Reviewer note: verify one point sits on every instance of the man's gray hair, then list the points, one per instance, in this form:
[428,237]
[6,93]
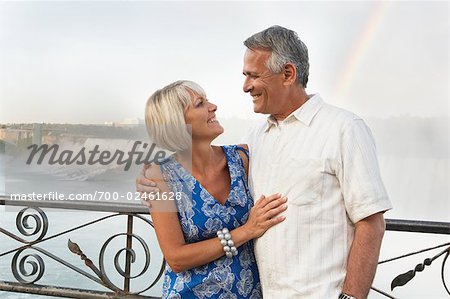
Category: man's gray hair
[286,47]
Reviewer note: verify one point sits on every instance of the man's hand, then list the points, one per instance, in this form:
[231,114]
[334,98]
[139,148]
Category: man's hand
[145,186]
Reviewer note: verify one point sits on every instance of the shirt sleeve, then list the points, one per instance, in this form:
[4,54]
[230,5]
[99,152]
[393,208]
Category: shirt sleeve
[362,188]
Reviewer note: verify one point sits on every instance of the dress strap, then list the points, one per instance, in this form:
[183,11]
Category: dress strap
[245,151]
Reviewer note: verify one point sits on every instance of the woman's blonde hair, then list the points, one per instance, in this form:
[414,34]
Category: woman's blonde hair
[164,115]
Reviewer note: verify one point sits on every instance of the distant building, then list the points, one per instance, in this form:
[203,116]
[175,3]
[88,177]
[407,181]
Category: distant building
[131,121]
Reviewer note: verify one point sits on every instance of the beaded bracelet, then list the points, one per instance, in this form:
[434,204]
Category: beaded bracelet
[228,244]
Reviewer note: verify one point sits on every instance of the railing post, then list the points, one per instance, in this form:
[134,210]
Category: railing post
[129,247]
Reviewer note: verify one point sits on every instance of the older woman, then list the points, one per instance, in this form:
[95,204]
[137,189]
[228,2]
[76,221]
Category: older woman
[206,233]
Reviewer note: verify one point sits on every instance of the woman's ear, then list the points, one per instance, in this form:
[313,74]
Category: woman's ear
[290,73]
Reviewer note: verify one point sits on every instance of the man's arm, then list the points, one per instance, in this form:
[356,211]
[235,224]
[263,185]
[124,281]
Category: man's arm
[365,200]
[363,257]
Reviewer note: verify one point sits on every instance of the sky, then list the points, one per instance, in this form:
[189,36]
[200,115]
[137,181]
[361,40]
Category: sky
[95,62]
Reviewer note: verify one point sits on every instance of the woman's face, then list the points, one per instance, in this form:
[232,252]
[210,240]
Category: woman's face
[202,118]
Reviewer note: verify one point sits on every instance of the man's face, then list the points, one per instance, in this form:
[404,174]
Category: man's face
[264,86]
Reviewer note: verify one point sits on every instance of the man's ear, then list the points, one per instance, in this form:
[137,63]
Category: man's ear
[290,74]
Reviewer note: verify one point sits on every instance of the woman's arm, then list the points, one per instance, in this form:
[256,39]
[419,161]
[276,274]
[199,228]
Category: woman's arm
[182,256]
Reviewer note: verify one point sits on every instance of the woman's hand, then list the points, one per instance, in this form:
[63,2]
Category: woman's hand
[264,214]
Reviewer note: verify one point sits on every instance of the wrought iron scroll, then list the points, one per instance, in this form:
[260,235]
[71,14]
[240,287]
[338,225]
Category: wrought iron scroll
[18,267]
[404,278]
[129,251]
[27,228]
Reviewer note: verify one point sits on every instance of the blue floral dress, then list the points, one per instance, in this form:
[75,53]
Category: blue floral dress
[201,216]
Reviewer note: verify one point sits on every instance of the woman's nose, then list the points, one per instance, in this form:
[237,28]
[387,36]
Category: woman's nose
[212,107]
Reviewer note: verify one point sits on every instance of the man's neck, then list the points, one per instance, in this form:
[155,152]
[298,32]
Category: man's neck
[294,100]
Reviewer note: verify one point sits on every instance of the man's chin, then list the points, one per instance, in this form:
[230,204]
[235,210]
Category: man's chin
[259,110]
[256,109]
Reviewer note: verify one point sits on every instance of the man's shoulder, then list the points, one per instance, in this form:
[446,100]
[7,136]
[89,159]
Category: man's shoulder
[337,115]
[340,112]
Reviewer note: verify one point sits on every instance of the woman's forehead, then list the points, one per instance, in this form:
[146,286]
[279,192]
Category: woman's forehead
[195,95]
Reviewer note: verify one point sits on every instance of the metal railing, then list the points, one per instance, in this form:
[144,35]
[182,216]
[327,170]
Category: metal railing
[427,227]
[27,280]
[32,222]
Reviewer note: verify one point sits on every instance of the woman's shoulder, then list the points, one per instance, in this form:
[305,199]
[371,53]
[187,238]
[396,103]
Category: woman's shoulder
[155,173]
[235,147]
[239,150]
[242,146]
[242,149]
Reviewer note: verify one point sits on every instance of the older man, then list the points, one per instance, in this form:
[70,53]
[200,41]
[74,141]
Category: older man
[323,159]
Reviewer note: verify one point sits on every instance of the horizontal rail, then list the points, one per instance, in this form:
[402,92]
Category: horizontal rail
[95,206]
[416,226]
[55,291]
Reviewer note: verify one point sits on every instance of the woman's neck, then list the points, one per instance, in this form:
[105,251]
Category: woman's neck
[202,155]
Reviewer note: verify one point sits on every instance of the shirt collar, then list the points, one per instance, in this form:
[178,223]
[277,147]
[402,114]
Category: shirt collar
[305,113]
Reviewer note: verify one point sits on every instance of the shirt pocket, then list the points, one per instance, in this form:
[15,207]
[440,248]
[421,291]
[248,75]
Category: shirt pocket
[303,180]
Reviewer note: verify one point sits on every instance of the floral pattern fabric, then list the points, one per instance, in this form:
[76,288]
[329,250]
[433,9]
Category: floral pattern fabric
[201,216]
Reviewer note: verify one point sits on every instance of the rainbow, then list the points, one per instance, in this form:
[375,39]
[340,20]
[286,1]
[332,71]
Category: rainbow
[360,47]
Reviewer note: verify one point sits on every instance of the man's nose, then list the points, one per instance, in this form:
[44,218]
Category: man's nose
[247,85]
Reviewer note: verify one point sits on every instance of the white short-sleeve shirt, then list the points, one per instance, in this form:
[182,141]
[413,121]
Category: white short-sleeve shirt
[323,159]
